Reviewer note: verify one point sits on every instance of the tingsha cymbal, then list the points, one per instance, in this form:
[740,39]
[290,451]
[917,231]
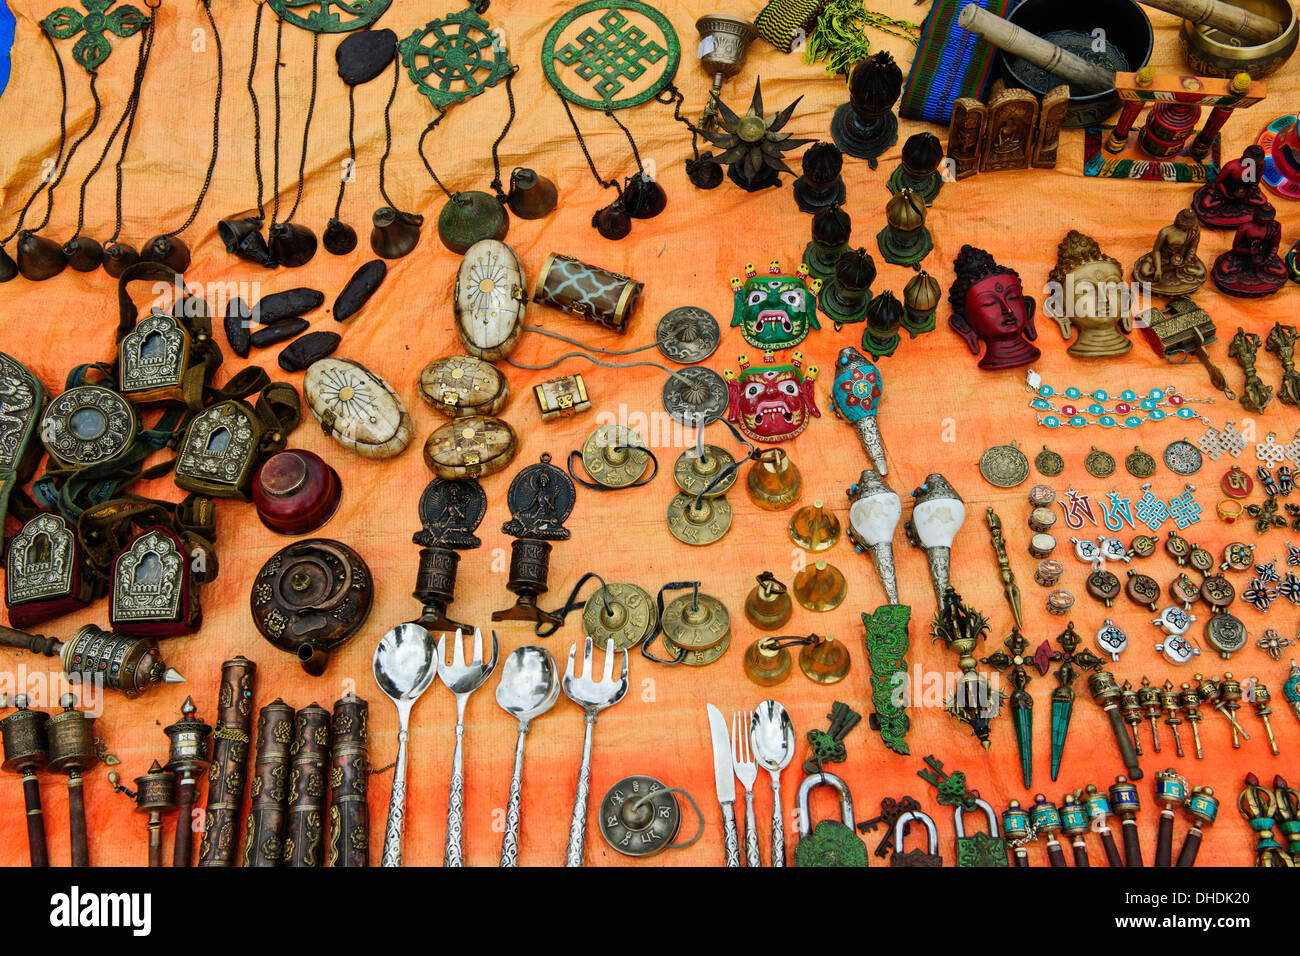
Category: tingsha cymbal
[618,612]
[695,472]
[687,335]
[615,456]
[695,396]
[699,525]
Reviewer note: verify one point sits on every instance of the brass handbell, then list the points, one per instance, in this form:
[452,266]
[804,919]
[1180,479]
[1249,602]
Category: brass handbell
[292,245]
[242,236]
[338,238]
[83,253]
[531,196]
[821,587]
[118,257]
[8,268]
[814,528]
[767,661]
[395,233]
[825,661]
[773,481]
[724,41]
[169,250]
[768,605]
[39,258]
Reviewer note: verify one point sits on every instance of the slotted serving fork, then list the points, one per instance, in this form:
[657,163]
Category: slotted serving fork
[462,680]
[742,761]
[592,696]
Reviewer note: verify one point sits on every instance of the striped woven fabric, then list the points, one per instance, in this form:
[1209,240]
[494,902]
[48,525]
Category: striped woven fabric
[783,22]
[950,62]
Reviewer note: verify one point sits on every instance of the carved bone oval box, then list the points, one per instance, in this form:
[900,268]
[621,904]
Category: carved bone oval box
[357,408]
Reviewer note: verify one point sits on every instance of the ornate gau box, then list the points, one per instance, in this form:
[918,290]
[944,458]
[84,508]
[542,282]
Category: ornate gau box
[589,292]
[154,591]
[357,408]
[219,453]
[489,302]
[562,397]
[152,360]
[88,425]
[21,399]
[471,392]
[43,572]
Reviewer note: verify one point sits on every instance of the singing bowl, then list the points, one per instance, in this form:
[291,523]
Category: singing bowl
[1126,27]
[1211,52]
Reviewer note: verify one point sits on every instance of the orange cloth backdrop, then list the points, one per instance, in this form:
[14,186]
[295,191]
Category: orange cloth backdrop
[938,414]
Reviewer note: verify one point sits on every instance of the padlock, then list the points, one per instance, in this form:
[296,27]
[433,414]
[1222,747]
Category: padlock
[832,842]
[916,857]
[979,849]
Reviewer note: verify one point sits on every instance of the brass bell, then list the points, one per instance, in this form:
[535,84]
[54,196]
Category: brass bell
[821,587]
[643,198]
[470,217]
[169,250]
[395,233]
[118,257]
[292,245]
[920,299]
[767,662]
[338,238]
[83,253]
[612,222]
[242,236]
[531,196]
[8,268]
[768,605]
[814,528]
[724,41]
[773,481]
[825,661]
[39,258]
[705,172]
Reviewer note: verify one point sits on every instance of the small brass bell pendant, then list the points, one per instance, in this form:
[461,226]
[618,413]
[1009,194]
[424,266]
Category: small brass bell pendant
[338,238]
[643,198]
[39,258]
[814,528]
[83,253]
[826,661]
[773,481]
[169,250]
[118,257]
[531,196]
[395,233]
[471,217]
[768,605]
[8,268]
[612,222]
[821,587]
[291,244]
[705,172]
[242,236]
[767,662]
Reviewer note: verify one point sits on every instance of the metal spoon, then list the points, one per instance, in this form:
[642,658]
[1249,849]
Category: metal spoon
[404,669]
[462,680]
[772,734]
[529,687]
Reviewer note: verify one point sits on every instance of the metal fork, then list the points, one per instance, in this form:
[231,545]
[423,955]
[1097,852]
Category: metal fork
[593,697]
[742,762]
[462,680]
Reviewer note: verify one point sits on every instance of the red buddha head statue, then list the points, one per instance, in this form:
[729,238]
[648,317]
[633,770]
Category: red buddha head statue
[989,306]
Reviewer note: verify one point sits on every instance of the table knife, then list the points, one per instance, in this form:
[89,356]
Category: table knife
[724,779]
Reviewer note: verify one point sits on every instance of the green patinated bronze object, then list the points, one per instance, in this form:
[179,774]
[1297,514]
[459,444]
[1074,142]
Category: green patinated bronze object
[323,16]
[611,53]
[455,58]
[1074,662]
[887,645]
[1011,663]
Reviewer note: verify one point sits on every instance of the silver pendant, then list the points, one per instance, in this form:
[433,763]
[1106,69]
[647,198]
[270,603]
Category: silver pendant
[152,357]
[219,450]
[87,425]
[1183,458]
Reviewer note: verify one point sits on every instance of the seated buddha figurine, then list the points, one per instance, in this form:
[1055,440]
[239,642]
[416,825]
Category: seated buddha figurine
[1252,268]
[1234,196]
[989,306]
[1088,291]
[1172,267]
